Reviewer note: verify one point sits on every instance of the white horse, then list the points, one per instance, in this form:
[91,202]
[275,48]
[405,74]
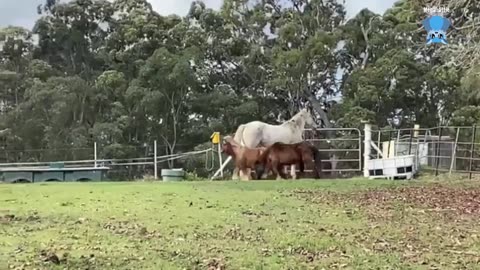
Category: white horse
[257,133]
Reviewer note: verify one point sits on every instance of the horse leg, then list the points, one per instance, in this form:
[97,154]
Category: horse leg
[317,167]
[276,172]
[265,173]
[314,168]
[262,176]
[244,175]
[319,171]
[293,171]
[280,174]
[235,174]
[268,168]
[276,168]
[241,174]
[301,168]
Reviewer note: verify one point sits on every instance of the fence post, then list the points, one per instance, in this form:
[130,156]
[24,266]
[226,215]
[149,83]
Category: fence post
[472,150]
[155,168]
[95,154]
[437,151]
[367,149]
[410,143]
[378,142]
[220,158]
[395,145]
[414,134]
[454,153]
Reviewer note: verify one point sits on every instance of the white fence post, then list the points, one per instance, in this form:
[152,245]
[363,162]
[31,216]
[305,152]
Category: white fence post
[155,168]
[95,154]
[220,159]
[367,149]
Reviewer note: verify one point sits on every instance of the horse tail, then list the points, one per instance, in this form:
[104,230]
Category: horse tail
[262,162]
[239,134]
[317,159]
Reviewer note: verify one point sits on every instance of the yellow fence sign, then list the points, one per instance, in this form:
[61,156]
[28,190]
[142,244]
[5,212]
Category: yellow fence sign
[215,137]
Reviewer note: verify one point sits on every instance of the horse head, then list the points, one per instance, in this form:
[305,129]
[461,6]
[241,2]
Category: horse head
[306,115]
[228,145]
[227,148]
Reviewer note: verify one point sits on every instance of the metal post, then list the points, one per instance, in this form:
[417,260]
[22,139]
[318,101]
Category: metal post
[437,151]
[454,152]
[155,163]
[410,143]
[359,152]
[416,127]
[378,142]
[414,134]
[395,145]
[367,149]
[220,158]
[472,150]
[95,154]
[389,142]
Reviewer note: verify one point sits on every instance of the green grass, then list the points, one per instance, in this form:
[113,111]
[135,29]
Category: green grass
[231,225]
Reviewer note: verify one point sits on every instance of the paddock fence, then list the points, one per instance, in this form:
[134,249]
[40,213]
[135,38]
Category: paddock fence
[125,162]
[439,150]
[340,148]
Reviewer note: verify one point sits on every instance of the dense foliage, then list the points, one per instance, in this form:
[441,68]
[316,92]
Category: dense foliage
[122,75]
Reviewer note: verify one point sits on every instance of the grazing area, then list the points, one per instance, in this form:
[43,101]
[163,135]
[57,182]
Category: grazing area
[334,224]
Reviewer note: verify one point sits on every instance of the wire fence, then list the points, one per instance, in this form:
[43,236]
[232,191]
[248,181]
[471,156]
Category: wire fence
[125,162]
[438,150]
[445,149]
[43,155]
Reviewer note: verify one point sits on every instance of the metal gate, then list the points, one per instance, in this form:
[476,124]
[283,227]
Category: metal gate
[341,149]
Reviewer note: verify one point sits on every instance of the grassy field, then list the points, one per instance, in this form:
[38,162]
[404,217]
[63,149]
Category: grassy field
[343,224]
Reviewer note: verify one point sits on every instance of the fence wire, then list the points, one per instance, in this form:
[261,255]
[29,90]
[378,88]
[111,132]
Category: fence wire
[446,149]
[438,150]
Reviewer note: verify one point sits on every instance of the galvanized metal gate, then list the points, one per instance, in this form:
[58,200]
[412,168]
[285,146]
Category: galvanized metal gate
[341,150]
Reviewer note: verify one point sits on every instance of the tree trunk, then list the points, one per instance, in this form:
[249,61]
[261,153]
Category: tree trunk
[318,108]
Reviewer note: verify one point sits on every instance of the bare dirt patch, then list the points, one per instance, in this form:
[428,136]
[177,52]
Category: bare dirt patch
[248,235]
[215,264]
[452,202]
[432,225]
[12,218]
[459,201]
[130,228]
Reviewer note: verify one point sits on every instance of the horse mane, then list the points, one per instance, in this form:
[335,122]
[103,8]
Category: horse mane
[296,120]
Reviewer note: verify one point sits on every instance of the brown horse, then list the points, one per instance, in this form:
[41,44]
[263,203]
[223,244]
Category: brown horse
[245,158]
[280,154]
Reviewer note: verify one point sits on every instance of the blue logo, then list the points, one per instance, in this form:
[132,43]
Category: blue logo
[436,27]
